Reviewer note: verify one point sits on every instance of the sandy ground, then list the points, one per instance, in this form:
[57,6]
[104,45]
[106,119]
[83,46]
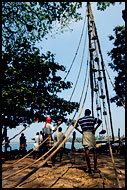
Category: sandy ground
[70,173]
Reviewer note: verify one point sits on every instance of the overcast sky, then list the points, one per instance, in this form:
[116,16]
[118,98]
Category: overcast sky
[64,47]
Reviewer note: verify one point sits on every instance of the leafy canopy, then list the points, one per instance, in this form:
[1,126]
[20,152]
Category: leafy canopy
[33,20]
[117,55]
[30,82]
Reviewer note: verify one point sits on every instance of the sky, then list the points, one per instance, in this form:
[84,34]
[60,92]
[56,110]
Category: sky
[64,46]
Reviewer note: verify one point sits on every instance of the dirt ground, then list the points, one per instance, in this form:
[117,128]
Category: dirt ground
[70,173]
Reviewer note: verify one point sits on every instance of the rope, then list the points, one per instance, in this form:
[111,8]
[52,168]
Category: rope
[79,68]
[61,121]
[34,161]
[56,127]
[34,170]
[44,141]
[77,49]
[32,150]
[112,156]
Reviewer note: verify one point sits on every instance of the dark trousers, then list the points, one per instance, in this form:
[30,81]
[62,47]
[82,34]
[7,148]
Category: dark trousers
[60,151]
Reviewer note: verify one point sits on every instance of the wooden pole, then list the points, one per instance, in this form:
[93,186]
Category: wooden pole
[73,141]
[119,135]
[91,57]
[5,137]
[119,141]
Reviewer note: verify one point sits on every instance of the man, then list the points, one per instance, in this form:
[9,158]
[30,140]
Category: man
[23,144]
[48,129]
[88,139]
[36,144]
[57,136]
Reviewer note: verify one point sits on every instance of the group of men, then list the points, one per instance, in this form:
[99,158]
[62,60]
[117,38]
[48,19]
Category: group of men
[87,124]
[46,135]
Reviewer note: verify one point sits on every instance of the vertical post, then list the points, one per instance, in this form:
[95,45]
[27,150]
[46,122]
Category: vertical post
[91,56]
[5,137]
[73,140]
[119,136]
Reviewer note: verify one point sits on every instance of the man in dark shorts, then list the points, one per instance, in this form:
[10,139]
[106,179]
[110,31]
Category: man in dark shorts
[88,139]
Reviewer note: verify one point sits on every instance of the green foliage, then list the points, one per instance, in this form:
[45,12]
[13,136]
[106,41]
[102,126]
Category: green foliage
[33,20]
[117,55]
[103,5]
[29,83]
[29,79]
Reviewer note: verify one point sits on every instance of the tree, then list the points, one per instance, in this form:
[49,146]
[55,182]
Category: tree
[31,21]
[29,79]
[117,55]
[29,87]
[103,5]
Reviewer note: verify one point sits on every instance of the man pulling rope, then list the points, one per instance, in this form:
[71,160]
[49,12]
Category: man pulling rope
[88,139]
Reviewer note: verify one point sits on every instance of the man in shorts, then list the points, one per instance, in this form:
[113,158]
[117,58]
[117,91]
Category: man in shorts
[88,139]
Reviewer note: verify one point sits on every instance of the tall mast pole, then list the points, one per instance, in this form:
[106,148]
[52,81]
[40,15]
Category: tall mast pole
[102,62]
[91,57]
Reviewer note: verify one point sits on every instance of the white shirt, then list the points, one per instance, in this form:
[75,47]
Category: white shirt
[57,136]
[48,129]
[35,146]
[36,143]
[37,139]
[40,138]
